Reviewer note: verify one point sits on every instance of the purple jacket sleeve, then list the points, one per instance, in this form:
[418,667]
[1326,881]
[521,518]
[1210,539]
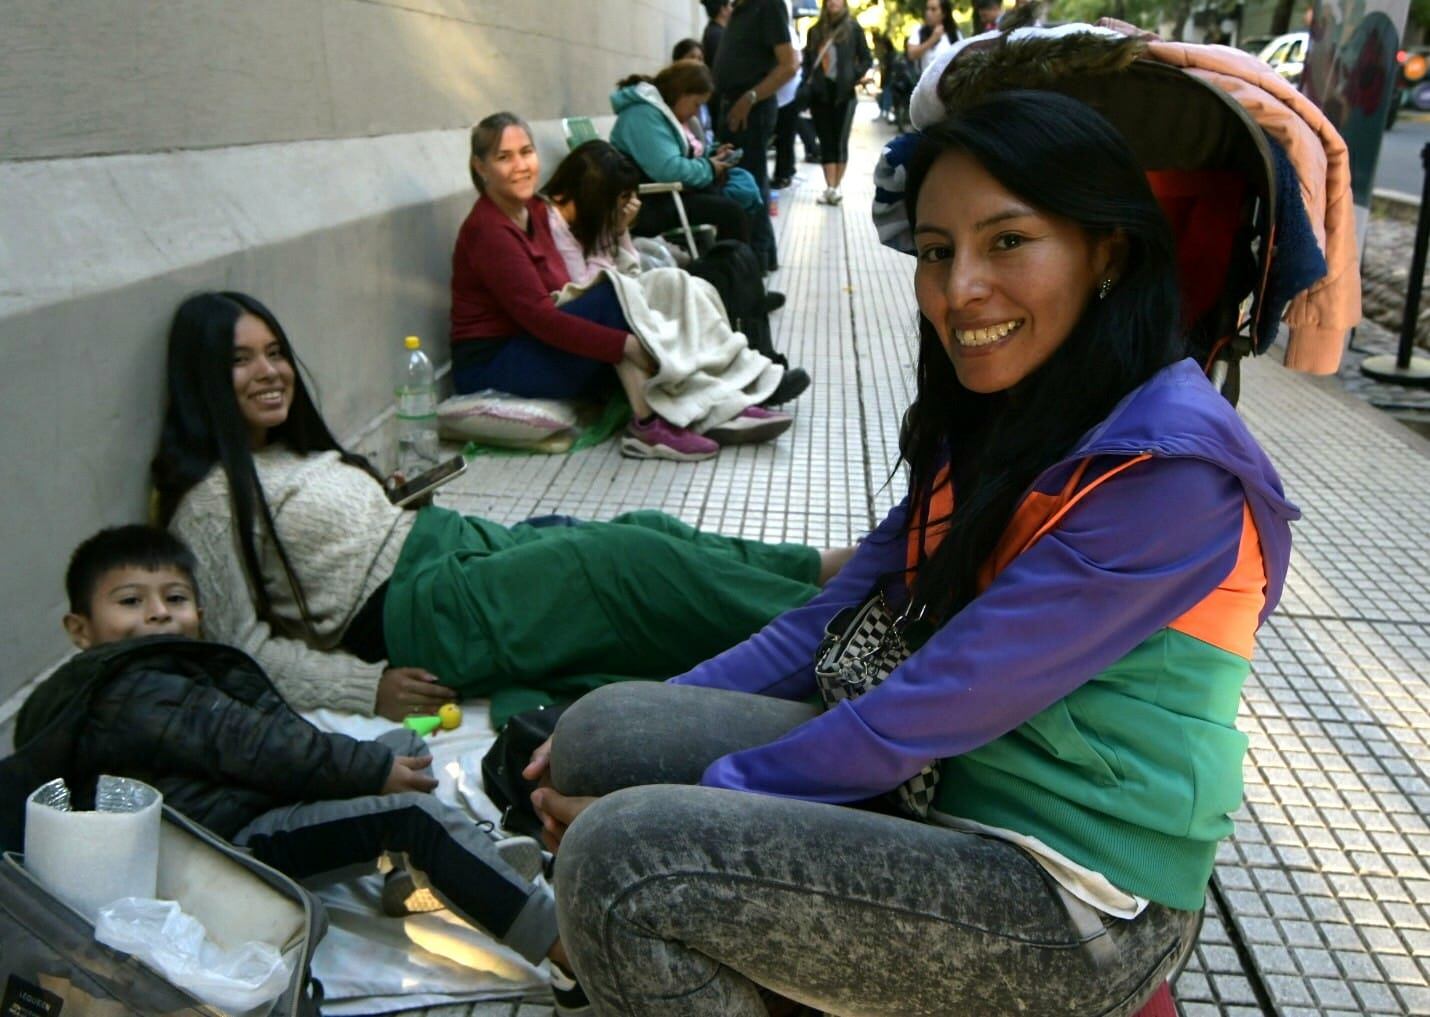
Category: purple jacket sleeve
[779,659]
[1133,556]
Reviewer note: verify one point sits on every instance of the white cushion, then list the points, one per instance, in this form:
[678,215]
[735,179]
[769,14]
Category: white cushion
[490,417]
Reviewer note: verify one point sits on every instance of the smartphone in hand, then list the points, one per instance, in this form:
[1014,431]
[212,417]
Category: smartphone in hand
[426,482]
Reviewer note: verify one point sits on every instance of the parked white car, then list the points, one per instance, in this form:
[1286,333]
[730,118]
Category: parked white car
[1287,55]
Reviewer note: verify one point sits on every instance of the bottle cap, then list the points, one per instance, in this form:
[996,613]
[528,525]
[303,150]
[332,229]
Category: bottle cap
[424,725]
[412,342]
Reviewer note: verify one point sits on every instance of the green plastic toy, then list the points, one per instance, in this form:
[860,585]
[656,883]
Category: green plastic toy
[423,725]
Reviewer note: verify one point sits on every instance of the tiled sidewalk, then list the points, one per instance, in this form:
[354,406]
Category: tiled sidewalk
[1321,902]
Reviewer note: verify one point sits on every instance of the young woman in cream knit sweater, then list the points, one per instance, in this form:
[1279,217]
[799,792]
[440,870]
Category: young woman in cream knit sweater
[351,603]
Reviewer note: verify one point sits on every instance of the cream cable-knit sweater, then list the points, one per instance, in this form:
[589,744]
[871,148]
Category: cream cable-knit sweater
[343,538]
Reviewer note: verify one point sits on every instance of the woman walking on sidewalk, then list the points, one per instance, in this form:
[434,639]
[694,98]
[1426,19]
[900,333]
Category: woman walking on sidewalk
[836,58]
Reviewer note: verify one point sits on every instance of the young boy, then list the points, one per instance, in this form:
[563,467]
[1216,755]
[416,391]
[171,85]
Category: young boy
[201,723]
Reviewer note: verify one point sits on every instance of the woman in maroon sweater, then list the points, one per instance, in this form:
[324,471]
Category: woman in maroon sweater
[507,332]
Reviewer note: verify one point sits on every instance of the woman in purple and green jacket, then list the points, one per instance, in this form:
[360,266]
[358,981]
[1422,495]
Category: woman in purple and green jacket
[1090,541]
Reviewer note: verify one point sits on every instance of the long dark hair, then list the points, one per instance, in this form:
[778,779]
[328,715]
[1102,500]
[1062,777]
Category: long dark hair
[1063,158]
[684,48]
[594,177]
[826,27]
[950,26]
[203,425]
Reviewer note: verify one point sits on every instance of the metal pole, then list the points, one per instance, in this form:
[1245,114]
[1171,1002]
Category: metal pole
[1417,267]
[1406,368]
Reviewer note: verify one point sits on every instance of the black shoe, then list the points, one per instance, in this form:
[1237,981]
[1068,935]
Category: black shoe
[780,183]
[571,1002]
[774,300]
[791,386]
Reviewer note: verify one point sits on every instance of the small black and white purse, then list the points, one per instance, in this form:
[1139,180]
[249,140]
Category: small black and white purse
[861,647]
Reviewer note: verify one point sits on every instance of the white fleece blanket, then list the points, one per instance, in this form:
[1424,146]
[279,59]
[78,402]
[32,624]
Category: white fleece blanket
[369,963]
[707,372]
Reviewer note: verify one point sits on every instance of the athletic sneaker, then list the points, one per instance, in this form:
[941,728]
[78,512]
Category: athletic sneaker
[830,197]
[659,439]
[402,896]
[754,424]
[523,854]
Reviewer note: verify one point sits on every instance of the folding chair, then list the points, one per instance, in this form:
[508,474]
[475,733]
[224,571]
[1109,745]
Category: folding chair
[578,131]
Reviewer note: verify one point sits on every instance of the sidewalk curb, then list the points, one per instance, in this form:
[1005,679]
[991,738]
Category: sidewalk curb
[1395,204]
[1383,421]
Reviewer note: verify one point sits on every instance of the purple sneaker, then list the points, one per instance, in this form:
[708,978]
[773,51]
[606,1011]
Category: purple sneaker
[660,439]
[754,423]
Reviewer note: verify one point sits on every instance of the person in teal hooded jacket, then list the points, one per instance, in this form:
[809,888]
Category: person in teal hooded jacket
[651,114]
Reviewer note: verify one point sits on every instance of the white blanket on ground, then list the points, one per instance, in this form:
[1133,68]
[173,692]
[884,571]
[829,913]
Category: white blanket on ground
[369,963]
[707,372]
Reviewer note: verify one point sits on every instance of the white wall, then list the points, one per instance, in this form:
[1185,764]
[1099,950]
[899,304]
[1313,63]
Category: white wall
[311,152]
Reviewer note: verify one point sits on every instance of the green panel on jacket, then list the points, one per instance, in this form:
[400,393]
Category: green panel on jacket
[1132,775]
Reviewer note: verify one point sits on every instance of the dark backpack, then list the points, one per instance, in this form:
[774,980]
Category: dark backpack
[733,268]
[508,756]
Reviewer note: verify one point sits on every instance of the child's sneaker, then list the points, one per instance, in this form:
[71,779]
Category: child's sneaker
[402,895]
[755,423]
[659,439]
[524,855]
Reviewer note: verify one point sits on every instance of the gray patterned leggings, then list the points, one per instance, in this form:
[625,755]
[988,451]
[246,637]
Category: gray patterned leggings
[676,900]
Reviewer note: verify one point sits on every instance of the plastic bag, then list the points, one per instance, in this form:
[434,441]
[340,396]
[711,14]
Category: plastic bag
[177,946]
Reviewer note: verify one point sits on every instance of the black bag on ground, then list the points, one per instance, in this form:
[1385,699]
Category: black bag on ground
[502,765]
[734,270]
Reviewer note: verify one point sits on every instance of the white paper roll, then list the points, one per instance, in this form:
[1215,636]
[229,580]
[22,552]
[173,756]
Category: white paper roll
[88,859]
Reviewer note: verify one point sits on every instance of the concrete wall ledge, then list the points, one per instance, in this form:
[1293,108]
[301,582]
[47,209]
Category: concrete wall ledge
[114,220]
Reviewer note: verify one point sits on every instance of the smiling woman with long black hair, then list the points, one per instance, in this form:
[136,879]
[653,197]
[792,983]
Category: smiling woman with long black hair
[352,603]
[1012,798]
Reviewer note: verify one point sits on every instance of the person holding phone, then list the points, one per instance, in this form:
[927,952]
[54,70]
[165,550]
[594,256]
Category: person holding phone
[351,603]
[650,118]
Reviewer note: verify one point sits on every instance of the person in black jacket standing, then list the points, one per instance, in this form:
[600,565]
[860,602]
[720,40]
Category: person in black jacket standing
[719,14]
[836,58]
[755,57]
[202,723]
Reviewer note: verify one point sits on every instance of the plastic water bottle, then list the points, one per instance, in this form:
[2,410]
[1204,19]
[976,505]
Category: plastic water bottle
[416,412]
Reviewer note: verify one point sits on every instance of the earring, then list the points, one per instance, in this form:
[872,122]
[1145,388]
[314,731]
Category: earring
[1103,289]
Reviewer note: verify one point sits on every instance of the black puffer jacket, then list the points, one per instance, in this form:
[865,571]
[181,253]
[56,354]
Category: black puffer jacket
[199,721]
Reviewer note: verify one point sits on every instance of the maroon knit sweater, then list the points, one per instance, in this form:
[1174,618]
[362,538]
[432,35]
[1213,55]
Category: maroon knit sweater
[502,281]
